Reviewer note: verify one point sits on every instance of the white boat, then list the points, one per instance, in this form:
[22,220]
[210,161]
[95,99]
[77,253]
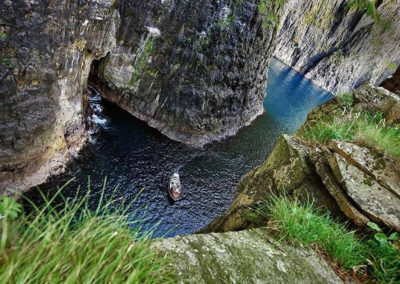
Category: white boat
[174,187]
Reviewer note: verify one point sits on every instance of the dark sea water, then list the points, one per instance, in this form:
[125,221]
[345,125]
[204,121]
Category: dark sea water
[134,156]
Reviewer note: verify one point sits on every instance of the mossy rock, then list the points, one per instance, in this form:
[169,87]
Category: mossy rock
[243,257]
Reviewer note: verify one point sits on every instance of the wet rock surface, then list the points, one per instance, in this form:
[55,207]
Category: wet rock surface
[339,48]
[243,257]
[348,179]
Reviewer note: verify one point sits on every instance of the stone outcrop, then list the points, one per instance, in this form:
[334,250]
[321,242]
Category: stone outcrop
[288,169]
[338,48]
[372,98]
[196,70]
[371,181]
[243,257]
[351,180]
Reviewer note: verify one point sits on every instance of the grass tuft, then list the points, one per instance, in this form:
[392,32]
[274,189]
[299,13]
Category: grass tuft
[369,128]
[305,224]
[384,261]
[346,99]
[73,244]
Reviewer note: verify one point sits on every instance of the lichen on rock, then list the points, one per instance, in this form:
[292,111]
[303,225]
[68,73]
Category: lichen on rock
[249,256]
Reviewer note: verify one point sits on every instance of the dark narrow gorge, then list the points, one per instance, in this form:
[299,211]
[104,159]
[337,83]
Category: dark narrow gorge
[157,59]
[200,141]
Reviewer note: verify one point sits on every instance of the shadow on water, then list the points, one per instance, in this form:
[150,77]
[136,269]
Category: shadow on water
[134,156]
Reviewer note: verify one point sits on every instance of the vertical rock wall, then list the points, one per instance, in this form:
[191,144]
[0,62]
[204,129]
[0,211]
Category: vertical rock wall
[339,49]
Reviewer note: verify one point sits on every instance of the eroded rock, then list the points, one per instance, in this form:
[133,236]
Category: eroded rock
[335,190]
[379,203]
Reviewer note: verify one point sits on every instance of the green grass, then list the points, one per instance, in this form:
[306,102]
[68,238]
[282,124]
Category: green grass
[72,244]
[305,224]
[346,99]
[384,262]
[368,128]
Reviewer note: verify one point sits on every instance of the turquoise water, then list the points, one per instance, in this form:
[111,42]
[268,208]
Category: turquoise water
[134,156]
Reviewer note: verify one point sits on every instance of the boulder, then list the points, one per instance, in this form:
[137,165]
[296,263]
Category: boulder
[243,257]
[373,98]
[335,190]
[369,189]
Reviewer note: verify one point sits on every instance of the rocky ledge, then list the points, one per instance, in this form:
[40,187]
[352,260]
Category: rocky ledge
[352,179]
[243,257]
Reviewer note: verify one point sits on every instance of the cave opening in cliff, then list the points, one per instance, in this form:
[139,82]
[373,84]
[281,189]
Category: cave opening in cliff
[393,83]
[92,96]
[94,78]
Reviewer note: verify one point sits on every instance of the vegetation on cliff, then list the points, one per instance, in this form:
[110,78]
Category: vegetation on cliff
[304,223]
[368,128]
[72,244]
[370,7]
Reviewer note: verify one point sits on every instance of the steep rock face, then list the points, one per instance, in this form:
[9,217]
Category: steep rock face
[46,48]
[196,70]
[339,49]
[243,257]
